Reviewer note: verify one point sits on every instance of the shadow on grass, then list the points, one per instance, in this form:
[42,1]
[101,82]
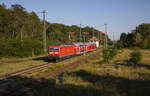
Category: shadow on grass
[143,76]
[102,86]
[101,62]
[24,86]
[121,86]
[136,65]
[45,58]
[143,65]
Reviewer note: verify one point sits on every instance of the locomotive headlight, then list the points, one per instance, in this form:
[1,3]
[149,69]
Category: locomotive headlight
[50,52]
[56,52]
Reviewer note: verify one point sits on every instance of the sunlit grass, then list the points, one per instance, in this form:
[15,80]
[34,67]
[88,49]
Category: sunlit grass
[100,79]
[11,67]
[89,74]
[6,67]
[145,57]
[93,78]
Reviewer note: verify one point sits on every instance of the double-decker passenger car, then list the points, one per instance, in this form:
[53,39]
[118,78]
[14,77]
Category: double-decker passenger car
[66,51]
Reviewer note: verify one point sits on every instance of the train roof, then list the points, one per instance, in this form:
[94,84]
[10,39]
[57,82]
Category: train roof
[75,43]
[61,45]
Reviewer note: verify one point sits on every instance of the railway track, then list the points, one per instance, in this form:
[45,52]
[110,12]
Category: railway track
[54,73]
[25,70]
[20,89]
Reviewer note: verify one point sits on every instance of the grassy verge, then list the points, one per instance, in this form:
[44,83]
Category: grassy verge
[19,59]
[11,67]
[96,79]
[12,64]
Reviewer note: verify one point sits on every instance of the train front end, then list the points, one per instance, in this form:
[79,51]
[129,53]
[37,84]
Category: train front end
[53,52]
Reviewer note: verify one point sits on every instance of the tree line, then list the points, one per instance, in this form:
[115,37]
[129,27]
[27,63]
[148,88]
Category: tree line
[21,32]
[139,37]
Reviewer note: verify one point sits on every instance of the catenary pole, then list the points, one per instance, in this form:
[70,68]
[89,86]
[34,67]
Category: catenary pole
[80,32]
[93,31]
[113,39]
[98,35]
[44,31]
[84,43]
[105,35]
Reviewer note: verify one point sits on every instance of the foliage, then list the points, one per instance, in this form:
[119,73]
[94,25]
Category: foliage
[119,45]
[21,32]
[135,57]
[137,38]
[20,48]
[106,54]
[109,53]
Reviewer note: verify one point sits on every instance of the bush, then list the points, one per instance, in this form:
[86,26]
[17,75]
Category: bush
[106,55]
[113,52]
[109,54]
[135,57]
[119,45]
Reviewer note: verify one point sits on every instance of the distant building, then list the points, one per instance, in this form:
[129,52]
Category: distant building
[94,39]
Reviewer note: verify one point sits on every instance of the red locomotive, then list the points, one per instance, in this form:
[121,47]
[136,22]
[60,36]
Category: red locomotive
[66,51]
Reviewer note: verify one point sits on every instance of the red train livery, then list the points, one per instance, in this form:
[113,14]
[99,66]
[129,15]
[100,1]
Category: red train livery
[66,51]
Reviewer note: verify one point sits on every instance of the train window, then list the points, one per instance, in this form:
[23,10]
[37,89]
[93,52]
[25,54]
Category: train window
[53,49]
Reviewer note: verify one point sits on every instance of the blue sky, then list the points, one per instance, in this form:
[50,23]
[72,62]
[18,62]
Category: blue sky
[120,15]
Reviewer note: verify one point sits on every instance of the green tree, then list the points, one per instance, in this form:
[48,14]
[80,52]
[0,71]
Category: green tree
[145,43]
[21,30]
[143,29]
[148,44]
[123,39]
[138,39]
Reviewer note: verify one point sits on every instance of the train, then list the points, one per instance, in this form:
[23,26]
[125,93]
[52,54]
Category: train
[57,52]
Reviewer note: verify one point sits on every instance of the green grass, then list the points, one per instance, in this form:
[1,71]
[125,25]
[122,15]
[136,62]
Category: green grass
[8,65]
[99,79]
[95,79]
[11,67]
[12,59]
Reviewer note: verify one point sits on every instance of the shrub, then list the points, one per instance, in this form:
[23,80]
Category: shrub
[119,45]
[109,54]
[113,52]
[135,57]
[106,55]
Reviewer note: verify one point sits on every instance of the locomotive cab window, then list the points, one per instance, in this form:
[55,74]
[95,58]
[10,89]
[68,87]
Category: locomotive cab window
[53,49]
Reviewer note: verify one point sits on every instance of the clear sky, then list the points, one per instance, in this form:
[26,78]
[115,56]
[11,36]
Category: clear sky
[120,15]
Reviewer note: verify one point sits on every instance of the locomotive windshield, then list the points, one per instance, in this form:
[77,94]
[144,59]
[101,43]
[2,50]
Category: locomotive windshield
[53,49]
